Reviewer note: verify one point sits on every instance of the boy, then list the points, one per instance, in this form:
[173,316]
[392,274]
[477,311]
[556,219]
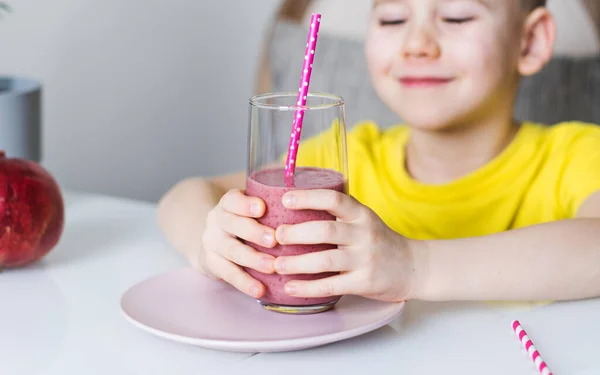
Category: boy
[461,203]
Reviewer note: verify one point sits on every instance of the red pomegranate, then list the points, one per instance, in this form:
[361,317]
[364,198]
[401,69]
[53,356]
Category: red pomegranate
[31,212]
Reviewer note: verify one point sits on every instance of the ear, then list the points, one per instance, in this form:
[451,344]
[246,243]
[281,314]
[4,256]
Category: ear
[537,45]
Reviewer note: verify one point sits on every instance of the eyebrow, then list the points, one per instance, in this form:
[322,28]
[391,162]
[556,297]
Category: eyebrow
[380,2]
[485,3]
[482,2]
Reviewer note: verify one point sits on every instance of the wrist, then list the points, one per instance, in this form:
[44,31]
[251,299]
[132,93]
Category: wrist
[419,280]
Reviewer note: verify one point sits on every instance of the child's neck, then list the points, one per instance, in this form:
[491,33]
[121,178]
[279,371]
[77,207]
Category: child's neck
[441,157]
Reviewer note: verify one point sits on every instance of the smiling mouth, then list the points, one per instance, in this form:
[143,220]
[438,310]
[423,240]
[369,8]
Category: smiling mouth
[416,82]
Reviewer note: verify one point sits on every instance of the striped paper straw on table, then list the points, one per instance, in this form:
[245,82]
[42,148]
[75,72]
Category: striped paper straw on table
[530,348]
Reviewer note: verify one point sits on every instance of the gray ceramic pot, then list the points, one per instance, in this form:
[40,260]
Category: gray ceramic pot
[20,117]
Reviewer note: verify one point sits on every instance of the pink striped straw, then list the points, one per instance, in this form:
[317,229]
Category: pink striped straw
[531,350]
[309,57]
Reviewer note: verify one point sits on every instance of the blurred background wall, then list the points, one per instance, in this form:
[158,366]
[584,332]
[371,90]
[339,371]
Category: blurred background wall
[141,93]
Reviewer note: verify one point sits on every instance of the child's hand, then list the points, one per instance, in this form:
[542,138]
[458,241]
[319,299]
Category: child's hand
[374,261]
[223,252]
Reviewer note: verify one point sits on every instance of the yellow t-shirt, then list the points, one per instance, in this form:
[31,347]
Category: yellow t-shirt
[543,175]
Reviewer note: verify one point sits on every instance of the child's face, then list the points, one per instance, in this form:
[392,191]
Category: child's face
[440,64]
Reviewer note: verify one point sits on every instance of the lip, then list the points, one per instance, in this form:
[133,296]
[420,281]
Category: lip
[416,82]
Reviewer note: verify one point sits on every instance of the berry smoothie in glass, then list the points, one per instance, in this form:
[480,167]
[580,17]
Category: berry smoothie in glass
[269,135]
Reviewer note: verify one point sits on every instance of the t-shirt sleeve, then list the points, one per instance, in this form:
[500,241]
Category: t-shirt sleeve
[581,170]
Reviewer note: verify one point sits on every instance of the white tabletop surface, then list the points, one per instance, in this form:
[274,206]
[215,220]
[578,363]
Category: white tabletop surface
[62,317]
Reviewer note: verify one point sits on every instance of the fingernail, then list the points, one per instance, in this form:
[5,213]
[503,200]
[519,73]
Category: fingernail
[255,291]
[267,239]
[266,264]
[289,200]
[255,209]
[279,233]
[291,289]
[279,265]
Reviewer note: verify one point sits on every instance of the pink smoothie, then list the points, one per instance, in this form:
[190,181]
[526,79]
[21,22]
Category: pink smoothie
[270,186]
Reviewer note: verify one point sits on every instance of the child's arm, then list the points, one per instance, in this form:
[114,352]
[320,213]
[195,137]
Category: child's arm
[183,210]
[554,261]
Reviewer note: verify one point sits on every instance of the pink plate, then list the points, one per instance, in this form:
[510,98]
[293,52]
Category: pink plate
[187,307]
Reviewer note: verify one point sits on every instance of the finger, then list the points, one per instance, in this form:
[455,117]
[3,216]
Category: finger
[243,255]
[330,286]
[236,277]
[336,203]
[246,228]
[316,232]
[237,203]
[335,260]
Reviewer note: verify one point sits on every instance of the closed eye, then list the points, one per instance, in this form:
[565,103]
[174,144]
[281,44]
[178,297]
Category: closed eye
[391,22]
[458,20]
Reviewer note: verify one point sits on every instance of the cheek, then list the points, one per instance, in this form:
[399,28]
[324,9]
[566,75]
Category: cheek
[476,56]
[379,52]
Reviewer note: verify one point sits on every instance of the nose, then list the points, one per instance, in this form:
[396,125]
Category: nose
[420,44]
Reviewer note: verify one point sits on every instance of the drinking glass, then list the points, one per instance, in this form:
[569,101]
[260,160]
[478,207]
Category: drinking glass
[270,127]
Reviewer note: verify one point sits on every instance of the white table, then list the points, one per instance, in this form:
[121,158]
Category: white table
[62,317]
